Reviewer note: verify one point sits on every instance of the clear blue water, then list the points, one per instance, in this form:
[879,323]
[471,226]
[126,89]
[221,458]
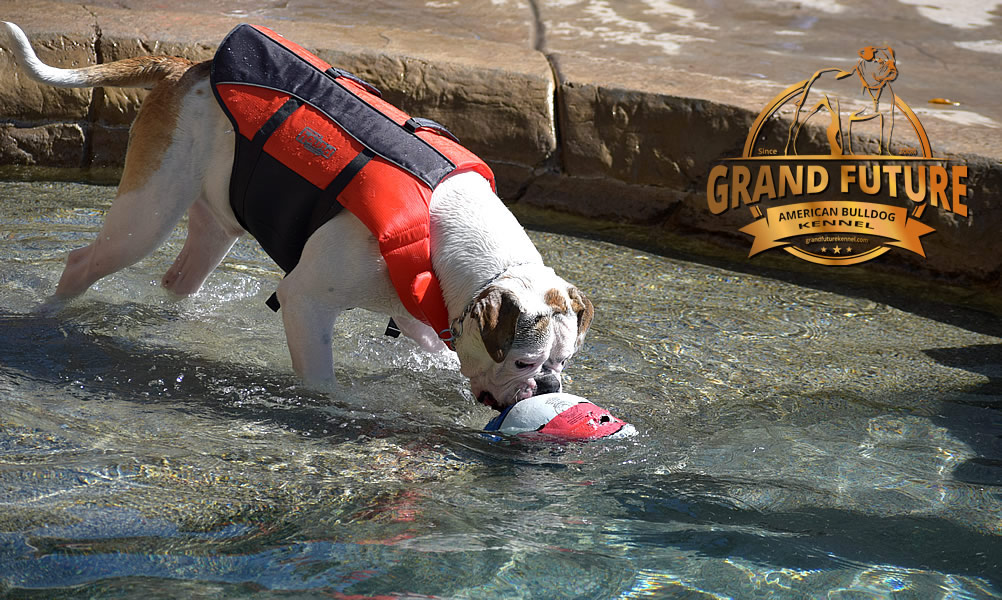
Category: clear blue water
[794,442]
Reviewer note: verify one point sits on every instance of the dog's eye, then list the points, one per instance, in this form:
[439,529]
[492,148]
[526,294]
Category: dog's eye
[523,365]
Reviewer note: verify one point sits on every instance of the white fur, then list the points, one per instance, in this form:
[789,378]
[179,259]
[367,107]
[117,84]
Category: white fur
[29,62]
[485,238]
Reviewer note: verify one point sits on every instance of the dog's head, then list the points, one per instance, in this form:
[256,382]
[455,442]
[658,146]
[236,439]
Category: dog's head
[518,336]
[876,66]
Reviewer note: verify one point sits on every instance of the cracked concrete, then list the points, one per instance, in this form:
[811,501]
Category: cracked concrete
[582,107]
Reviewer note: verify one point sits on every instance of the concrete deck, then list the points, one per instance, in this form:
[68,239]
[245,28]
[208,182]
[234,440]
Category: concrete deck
[607,113]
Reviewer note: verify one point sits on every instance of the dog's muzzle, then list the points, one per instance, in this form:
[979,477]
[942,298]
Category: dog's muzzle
[547,383]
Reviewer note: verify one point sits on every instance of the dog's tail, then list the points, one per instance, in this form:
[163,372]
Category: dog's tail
[142,71]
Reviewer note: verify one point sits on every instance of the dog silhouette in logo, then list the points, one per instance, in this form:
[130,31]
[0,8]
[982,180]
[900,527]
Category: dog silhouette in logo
[866,104]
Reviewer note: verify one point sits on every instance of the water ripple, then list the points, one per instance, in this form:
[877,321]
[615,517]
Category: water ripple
[792,441]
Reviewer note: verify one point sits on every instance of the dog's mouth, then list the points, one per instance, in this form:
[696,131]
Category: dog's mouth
[488,398]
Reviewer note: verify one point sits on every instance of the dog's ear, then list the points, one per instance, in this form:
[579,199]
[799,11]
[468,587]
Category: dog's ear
[496,311]
[584,310]
[867,53]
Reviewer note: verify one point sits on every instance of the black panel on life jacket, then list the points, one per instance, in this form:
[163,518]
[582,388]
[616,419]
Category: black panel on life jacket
[249,57]
[276,205]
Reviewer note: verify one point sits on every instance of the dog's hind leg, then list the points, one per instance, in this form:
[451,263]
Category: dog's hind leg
[162,178]
[139,220]
[157,188]
[309,326]
[204,248]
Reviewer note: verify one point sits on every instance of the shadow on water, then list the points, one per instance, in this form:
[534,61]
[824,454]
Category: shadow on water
[937,300]
[984,360]
[57,352]
[976,416]
[693,512]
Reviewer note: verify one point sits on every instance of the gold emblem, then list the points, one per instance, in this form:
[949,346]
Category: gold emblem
[847,178]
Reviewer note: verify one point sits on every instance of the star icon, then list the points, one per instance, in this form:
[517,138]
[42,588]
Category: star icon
[824,249]
[836,250]
[848,250]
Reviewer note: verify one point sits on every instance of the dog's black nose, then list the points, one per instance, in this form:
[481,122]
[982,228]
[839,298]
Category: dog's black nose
[547,383]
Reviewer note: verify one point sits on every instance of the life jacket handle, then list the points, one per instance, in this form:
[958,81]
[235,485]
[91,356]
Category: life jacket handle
[335,72]
[415,123]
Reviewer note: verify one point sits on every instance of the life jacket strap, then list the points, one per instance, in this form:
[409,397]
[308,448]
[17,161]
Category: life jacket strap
[325,211]
[414,123]
[273,302]
[335,72]
[392,329]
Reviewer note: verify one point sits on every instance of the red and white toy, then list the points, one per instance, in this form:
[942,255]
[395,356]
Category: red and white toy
[563,416]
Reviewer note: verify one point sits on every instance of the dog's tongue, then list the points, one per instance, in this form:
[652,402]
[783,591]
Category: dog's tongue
[563,416]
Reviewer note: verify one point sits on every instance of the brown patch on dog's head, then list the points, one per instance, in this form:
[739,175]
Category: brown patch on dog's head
[555,300]
[584,310]
[581,306]
[496,312]
[540,325]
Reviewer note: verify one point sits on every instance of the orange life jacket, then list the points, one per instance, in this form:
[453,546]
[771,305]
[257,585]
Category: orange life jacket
[312,139]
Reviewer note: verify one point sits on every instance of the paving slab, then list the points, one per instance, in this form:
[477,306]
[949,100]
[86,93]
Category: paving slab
[944,48]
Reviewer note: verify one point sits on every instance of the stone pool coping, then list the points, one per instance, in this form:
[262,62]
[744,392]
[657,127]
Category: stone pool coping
[602,141]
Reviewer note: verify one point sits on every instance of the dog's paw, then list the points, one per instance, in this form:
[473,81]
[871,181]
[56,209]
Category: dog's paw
[50,306]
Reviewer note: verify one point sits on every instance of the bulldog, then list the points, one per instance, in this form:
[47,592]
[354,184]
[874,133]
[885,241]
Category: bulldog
[513,322]
[867,99]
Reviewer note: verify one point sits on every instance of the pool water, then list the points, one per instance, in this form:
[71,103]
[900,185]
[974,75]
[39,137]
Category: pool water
[793,442]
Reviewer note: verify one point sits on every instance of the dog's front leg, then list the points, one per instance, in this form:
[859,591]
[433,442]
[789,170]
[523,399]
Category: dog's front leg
[340,268]
[309,325]
[419,332]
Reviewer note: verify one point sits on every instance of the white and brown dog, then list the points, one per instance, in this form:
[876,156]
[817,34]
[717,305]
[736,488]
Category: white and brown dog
[516,322]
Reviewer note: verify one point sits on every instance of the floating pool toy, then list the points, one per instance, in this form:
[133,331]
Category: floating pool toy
[564,416]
